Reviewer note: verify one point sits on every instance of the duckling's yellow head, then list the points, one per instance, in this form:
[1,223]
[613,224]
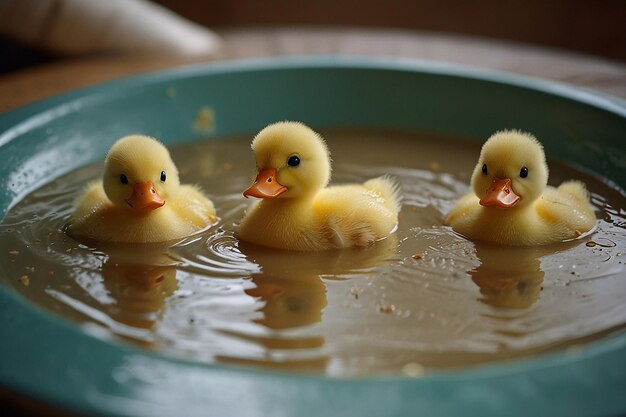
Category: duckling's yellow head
[511,171]
[292,161]
[139,173]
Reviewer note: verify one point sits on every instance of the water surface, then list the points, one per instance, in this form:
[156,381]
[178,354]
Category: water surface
[423,300]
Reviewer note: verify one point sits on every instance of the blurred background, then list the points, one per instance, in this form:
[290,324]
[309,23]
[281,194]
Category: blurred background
[64,44]
[593,27]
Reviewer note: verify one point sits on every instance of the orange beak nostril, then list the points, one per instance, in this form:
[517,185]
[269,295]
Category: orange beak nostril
[145,197]
[264,186]
[500,194]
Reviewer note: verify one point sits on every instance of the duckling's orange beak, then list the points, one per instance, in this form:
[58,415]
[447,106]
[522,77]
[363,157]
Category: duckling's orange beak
[266,185]
[500,194]
[145,197]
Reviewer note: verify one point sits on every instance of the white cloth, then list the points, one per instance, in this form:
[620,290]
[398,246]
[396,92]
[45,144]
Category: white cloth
[81,26]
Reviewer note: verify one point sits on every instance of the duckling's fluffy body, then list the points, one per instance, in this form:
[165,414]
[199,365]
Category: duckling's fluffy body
[511,204]
[140,199]
[298,211]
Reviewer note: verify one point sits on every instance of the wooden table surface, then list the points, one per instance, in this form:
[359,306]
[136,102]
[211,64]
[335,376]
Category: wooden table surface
[28,85]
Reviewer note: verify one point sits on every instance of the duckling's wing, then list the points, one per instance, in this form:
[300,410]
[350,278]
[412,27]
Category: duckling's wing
[466,205]
[89,201]
[345,233]
[354,215]
[388,189]
[191,205]
[569,206]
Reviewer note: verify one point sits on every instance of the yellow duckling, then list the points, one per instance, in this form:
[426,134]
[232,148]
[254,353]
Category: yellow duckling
[140,198]
[297,212]
[511,203]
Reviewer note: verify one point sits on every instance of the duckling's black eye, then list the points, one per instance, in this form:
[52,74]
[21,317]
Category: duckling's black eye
[485,169]
[163,176]
[293,161]
[523,173]
[123,179]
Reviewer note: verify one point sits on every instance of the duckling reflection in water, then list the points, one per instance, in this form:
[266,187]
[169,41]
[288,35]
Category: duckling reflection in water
[139,291]
[508,277]
[140,280]
[292,288]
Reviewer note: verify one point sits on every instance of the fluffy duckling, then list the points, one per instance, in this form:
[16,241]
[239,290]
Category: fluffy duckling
[512,204]
[297,212]
[140,198]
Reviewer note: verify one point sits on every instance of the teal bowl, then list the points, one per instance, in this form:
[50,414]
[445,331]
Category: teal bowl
[72,368]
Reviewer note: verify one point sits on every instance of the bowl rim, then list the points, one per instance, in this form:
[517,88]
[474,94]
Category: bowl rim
[15,117]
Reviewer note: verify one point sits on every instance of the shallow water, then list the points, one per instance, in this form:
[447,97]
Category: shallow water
[423,300]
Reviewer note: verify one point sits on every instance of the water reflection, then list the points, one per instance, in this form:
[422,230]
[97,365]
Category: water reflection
[512,277]
[139,291]
[292,289]
[138,280]
[508,277]
[289,301]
